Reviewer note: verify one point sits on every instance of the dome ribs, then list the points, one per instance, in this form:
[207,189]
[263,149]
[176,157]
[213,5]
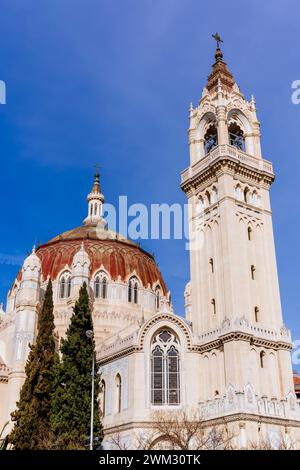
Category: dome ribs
[119,257]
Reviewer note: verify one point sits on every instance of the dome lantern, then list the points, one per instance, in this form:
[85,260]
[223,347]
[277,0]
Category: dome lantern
[95,201]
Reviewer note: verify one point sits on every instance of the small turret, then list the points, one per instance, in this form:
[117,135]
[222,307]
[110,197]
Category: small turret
[80,268]
[30,280]
[95,201]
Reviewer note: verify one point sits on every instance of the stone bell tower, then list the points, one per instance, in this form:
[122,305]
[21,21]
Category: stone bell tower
[234,300]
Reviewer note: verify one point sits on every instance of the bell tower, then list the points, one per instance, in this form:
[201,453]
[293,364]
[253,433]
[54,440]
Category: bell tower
[234,295]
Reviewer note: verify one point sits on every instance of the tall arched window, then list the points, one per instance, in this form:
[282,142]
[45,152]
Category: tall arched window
[165,369]
[254,198]
[262,359]
[236,136]
[238,192]
[62,287]
[65,285]
[210,139]
[104,288]
[246,195]
[100,287]
[118,396]
[157,298]
[97,287]
[249,233]
[103,397]
[256,314]
[252,272]
[214,195]
[133,287]
[208,198]
[200,205]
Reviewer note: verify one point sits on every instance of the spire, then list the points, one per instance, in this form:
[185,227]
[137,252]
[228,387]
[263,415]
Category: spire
[95,201]
[220,75]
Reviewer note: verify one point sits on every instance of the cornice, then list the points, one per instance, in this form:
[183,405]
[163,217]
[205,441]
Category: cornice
[227,160]
[217,343]
[250,417]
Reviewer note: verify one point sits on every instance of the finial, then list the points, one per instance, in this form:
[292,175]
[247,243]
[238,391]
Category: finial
[218,53]
[96,185]
[217,39]
[252,103]
[33,250]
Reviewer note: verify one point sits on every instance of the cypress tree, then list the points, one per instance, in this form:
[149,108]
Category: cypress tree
[32,416]
[71,401]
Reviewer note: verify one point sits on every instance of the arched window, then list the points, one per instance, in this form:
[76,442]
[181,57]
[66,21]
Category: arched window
[69,287]
[236,136]
[100,287]
[135,293]
[200,205]
[62,287]
[262,359]
[207,194]
[255,198]
[238,192]
[133,288]
[91,209]
[157,298]
[214,195]
[95,209]
[252,272]
[118,397]
[210,139]
[97,287]
[103,397]
[246,195]
[249,233]
[213,303]
[104,288]
[165,369]
[256,314]
[65,286]
[211,262]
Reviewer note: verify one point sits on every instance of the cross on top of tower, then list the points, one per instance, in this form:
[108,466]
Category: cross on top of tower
[218,39]
[218,53]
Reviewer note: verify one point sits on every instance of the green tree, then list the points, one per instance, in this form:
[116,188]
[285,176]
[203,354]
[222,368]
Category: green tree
[32,416]
[71,401]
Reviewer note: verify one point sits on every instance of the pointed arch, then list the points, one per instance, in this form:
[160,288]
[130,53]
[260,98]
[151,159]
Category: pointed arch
[133,290]
[101,285]
[165,368]
[64,285]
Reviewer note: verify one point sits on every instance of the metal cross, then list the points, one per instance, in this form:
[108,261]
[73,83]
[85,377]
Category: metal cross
[218,39]
[97,167]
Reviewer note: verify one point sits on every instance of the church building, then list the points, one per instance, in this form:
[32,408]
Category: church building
[228,358]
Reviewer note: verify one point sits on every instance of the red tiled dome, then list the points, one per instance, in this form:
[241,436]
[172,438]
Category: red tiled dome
[118,255]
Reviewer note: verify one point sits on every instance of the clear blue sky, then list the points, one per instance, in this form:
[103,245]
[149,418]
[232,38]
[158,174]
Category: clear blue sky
[110,81]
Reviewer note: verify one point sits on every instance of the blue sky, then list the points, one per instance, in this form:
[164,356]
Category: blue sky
[110,82]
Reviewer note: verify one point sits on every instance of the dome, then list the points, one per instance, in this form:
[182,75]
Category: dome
[106,249]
